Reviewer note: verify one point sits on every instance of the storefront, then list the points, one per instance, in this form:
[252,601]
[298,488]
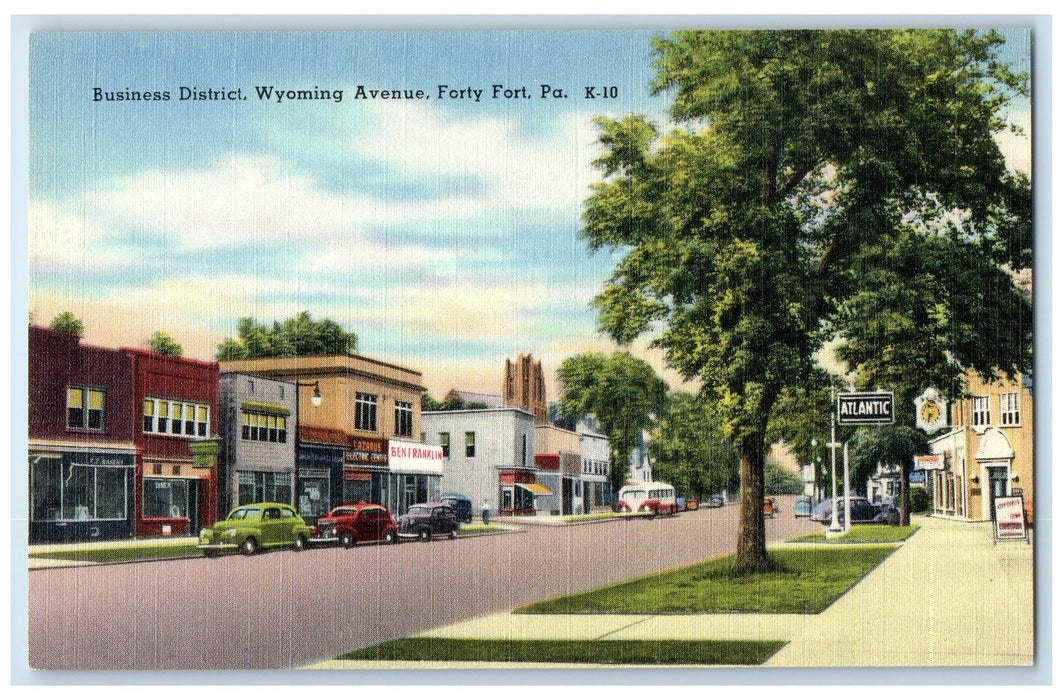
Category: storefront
[81,494]
[365,471]
[518,492]
[175,496]
[414,474]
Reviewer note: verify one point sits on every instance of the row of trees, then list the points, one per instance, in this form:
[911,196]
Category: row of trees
[817,187]
[161,342]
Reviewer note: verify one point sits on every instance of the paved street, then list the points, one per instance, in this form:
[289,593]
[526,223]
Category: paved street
[284,609]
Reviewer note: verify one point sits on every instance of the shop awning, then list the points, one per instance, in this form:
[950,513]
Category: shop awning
[536,489]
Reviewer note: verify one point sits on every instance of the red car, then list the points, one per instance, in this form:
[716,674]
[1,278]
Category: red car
[352,523]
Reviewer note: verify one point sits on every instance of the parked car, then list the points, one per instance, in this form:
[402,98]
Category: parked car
[715,501]
[680,504]
[427,520]
[253,527]
[803,507]
[353,523]
[862,511]
[461,504]
[692,504]
[888,514]
[769,507]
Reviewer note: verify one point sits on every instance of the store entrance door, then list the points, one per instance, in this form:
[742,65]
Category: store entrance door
[998,486]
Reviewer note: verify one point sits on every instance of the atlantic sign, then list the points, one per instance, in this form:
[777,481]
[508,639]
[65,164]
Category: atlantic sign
[859,407]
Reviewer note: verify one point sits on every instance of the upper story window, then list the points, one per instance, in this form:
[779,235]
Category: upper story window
[166,417]
[264,427]
[403,418]
[980,411]
[1009,408]
[470,444]
[444,442]
[84,407]
[365,411]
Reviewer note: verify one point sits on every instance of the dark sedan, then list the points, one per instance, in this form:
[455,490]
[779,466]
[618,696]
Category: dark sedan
[863,511]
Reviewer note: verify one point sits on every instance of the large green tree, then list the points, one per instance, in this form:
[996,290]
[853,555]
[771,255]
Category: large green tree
[67,322]
[621,391]
[300,335]
[689,449]
[164,344]
[806,166]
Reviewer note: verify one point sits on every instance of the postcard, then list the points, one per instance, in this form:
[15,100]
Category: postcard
[688,347]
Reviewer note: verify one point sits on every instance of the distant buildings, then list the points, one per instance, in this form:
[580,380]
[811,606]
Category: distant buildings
[525,386]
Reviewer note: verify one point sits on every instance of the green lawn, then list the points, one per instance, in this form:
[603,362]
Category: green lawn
[119,553]
[624,652]
[589,516]
[864,534]
[804,581]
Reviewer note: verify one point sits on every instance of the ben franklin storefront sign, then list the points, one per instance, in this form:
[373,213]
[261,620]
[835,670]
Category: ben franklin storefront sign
[860,407]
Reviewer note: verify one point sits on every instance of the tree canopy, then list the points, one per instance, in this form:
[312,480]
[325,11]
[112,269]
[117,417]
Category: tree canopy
[689,449]
[819,185]
[300,335]
[67,322]
[622,392]
[163,344]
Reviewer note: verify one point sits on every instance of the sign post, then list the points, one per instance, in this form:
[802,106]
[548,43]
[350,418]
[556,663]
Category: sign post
[859,408]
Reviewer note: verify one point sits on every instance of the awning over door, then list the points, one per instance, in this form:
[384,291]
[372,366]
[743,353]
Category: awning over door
[536,489]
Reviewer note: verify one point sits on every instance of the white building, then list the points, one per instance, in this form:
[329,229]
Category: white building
[640,469]
[594,452]
[488,455]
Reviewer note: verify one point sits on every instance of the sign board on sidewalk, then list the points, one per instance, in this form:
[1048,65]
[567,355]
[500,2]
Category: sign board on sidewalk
[1010,523]
[860,407]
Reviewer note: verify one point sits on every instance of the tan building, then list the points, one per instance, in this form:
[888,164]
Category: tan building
[988,452]
[343,437]
[524,386]
[558,466]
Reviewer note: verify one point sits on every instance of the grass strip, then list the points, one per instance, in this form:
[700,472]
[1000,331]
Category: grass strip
[801,581]
[864,534]
[668,652]
[110,555]
[588,516]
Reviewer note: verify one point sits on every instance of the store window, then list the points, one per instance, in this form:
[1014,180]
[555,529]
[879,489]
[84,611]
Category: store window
[166,498]
[256,487]
[77,491]
[365,411]
[1009,409]
[84,407]
[403,418]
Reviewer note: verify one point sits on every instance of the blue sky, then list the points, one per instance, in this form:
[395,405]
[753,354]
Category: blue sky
[445,232]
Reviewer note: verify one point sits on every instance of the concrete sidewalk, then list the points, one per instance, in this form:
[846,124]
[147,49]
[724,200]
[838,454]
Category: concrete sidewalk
[948,596]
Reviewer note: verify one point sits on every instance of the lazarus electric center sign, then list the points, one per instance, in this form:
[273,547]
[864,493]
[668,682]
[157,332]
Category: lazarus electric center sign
[859,407]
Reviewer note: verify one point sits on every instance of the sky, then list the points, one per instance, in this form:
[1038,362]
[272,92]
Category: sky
[444,231]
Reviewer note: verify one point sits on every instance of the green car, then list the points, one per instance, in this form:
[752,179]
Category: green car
[256,526]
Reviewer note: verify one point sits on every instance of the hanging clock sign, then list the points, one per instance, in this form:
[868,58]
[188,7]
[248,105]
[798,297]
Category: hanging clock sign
[931,413]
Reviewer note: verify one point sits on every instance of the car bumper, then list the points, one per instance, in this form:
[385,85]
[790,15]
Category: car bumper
[217,546]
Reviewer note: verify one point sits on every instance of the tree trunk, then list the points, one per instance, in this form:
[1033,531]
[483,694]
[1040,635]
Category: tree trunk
[752,552]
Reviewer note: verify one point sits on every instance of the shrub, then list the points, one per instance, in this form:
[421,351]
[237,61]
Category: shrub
[918,499]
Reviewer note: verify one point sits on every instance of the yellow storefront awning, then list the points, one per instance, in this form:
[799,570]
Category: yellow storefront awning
[536,489]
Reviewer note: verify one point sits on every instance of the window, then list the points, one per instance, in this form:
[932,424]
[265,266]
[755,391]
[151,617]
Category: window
[176,417]
[1009,409]
[263,427]
[403,418]
[77,491]
[470,444]
[166,498]
[979,411]
[444,442]
[84,407]
[255,487]
[365,411]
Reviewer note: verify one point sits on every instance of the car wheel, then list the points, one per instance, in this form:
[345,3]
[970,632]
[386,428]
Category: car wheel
[389,537]
[347,540]
[249,546]
[210,553]
[300,543]
[425,535]
[454,534]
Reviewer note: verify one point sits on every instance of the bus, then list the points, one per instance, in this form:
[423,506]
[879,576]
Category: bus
[648,498]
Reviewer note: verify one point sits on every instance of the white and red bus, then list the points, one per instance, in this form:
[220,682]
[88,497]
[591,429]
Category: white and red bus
[648,498]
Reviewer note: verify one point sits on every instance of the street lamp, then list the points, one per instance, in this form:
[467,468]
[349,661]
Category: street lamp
[315,400]
[835,527]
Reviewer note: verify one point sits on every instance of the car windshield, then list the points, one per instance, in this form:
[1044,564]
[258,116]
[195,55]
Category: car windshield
[418,510]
